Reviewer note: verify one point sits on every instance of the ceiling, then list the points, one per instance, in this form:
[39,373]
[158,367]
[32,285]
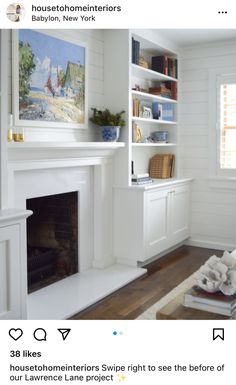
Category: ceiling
[189,37]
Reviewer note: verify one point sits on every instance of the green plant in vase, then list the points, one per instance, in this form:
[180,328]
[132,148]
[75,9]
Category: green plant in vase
[110,123]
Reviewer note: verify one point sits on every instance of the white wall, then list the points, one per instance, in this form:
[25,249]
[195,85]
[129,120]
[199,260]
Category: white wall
[213,210]
[95,42]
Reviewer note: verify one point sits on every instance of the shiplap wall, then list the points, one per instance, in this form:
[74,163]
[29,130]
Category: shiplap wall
[94,40]
[213,210]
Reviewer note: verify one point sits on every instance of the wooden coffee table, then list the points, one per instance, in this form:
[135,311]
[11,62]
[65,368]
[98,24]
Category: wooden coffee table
[174,310]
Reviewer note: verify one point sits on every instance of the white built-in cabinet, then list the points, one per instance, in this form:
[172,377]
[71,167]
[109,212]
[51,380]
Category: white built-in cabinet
[150,221]
[166,220]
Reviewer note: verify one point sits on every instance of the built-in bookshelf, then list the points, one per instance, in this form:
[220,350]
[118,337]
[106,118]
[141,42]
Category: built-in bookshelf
[149,216]
[153,100]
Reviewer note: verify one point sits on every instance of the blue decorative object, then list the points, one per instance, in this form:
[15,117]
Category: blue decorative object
[110,133]
[160,136]
[168,112]
[155,110]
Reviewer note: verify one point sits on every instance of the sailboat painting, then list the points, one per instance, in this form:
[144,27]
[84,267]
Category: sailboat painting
[51,80]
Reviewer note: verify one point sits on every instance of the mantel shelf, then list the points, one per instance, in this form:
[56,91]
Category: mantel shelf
[85,153]
[8,215]
[66,145]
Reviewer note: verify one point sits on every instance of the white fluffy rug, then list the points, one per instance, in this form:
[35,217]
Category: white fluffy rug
[150,314]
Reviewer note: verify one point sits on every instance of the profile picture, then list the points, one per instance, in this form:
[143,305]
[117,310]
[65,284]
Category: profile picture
[15,12]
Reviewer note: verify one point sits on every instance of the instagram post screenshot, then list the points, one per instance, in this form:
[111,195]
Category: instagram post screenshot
[117,192]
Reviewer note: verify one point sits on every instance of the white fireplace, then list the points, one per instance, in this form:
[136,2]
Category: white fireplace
[39,170]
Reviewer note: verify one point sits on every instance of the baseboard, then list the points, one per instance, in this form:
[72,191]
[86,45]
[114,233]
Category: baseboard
[210,244]
[162,254]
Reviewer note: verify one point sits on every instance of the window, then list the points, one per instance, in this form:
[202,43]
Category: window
[226,125]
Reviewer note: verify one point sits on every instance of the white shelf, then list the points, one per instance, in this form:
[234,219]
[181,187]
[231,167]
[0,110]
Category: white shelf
[151,97]
[153,121]
[156,144]
[146,74]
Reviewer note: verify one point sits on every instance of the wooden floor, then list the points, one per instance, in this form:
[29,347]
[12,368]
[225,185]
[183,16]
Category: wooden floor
[162,276]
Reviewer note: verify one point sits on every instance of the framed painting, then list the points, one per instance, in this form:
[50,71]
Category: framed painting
[49,80]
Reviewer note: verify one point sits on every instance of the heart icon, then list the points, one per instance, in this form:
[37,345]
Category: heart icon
[15,333]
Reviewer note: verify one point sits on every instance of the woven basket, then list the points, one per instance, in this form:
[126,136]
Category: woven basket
[161,166]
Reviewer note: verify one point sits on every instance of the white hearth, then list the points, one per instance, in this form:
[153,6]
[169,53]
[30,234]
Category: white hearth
[43,169]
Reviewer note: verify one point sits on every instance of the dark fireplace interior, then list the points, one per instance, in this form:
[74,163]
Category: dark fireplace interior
[52,239]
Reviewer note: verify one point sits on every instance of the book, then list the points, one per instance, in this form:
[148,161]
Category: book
[165,65]
[160,64]
[197,294]
[145,179]
[211,308]
[141,175]
[135,51]
[136,107]
[161,90]
[172,67]
[213,302]
[172,87]
[176,69]
[142,182]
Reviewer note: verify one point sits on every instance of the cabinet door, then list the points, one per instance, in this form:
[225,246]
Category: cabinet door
[10,288]
[179,208]
[157,222]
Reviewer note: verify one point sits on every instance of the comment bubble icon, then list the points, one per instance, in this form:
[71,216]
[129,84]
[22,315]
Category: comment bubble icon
[40,334]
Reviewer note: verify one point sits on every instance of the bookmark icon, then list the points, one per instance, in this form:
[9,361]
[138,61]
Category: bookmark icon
[218,333]
[64,333]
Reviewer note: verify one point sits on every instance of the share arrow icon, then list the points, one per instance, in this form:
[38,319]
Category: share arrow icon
[64,333]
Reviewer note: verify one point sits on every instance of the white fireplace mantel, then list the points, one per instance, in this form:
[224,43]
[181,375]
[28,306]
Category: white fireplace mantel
[34,165]
[64,145]
[46,168]
[54,150]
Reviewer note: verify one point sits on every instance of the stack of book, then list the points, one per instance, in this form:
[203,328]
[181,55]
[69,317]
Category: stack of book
[165,65]
[135,51]
[161,90]
[172,67]
[161,166]
[140,179]
[219,303]
[172,86]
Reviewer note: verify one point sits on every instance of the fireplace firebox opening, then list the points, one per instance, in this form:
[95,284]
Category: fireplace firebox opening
[52,239]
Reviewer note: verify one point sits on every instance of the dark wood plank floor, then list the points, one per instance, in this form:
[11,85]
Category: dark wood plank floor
[162,276]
